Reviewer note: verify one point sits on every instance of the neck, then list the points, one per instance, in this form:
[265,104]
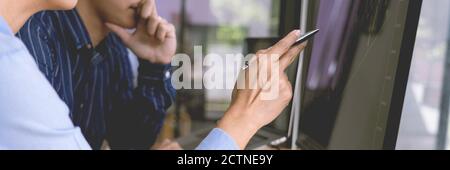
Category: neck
[17,12]
[93,21]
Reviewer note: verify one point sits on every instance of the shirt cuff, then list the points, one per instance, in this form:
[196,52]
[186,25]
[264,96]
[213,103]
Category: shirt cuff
[150,71]
[218,140]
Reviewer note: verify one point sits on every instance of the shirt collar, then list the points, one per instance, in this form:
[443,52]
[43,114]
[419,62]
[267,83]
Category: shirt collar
[76,29]
[4,27]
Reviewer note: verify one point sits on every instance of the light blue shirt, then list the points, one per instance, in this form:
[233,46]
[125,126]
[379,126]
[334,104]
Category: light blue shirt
[218,140]
[32,116]
[4,28]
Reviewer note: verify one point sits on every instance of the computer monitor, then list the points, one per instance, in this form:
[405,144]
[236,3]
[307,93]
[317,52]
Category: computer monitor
[355,74]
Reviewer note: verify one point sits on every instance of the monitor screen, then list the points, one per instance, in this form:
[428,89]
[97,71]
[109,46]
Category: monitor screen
[352,70]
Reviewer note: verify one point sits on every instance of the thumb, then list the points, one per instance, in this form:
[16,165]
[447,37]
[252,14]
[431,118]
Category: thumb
[120,31]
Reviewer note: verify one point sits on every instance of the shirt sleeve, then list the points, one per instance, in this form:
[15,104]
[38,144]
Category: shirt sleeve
[138,113]
[32,116]
[218,140]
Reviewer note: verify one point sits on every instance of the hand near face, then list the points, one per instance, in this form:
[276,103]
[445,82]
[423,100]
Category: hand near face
[154,39]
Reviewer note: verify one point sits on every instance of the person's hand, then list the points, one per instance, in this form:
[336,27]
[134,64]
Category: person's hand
[249,110]
[168,145]
[154,39]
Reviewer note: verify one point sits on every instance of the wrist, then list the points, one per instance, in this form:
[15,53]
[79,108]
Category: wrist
[239,126]
[154,71]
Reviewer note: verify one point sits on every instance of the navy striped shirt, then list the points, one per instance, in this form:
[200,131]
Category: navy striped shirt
[97,82]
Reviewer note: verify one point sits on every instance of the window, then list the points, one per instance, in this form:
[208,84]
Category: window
[420,123]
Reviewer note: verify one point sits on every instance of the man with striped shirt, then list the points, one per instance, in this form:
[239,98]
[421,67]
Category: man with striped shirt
[90,68]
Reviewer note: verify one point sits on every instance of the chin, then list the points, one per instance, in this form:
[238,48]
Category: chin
[129,23]
[62,4]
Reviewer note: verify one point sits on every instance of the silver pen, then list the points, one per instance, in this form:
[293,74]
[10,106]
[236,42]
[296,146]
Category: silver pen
[301,40]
